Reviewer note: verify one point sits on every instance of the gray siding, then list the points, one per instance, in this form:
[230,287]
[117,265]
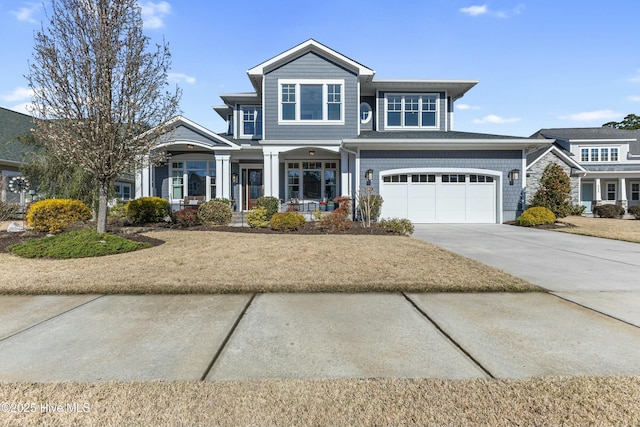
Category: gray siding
[442,110]
[183,133]
[504,161]
[310,66]
[161,181]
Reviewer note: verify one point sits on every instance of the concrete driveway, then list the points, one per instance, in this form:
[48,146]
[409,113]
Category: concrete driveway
[601,274]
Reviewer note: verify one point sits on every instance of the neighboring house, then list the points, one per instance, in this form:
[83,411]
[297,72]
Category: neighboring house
[603,164]
[14,153]
[319,125]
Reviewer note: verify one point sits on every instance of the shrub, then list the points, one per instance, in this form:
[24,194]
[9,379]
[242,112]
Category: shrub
[338,220]
[187,217]
[270,203]
[577,210]
[400,226]
[215,211]
[635,211]
[8,210]
[287,221]
[147,209]
[54,215]
[608,211]
[369,205]
[537,215]
[555,191]
[258,217]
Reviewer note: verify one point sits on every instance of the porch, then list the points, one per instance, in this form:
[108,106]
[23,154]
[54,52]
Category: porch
[621,190]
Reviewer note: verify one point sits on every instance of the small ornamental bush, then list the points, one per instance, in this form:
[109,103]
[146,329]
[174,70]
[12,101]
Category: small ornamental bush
[215,212]
[118,211]
[338,220]
[608,211]
[147,209]
[287,221]
[270,203]
[8,210]
[536,215]
[400,226]
[258,217]
[635,211]
[54,215]
[577,210]
[187,217]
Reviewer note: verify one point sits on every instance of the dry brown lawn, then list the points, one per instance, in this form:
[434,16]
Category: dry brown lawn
[608,228]
[222,262]
[551,401]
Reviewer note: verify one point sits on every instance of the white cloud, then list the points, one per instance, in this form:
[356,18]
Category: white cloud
[492,118]
[466,107]
[181,77]
[633,98]
[16,95]
[25,14]
[24,108]
[475,10]
[484,10]
[592,115]
[153,13]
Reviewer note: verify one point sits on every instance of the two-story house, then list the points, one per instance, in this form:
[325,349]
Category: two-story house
[603,164]
[319,125]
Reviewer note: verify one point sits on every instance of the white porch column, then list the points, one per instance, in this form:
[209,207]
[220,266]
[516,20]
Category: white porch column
[185,185]
[145,176]
[207,193]
[275,175]
[267,174]
[345,178]
[598,195]
[223,175]
[623,192]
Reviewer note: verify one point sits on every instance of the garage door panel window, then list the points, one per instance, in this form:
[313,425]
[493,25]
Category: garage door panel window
[480,178]
[395,178]
[453,178]
[423,178]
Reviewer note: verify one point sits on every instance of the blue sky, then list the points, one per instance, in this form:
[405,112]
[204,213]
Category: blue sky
[540,63]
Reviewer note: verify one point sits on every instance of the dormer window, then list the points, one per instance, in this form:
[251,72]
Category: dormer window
[311,101]
[251,126]
[413,111]
[599,154]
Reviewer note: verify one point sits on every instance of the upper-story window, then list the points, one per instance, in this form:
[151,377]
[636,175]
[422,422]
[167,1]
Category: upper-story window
[599,154]
[411,111]
[311,101]
[251,126]
[365,112]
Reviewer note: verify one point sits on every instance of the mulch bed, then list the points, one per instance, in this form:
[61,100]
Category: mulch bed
[135,232]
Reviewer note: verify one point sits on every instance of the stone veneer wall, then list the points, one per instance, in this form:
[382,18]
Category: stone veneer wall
[534,174]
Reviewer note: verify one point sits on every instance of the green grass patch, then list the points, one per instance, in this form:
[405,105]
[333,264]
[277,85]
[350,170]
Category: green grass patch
[76,244]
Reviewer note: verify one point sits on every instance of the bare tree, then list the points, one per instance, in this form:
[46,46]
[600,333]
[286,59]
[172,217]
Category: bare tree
[100,96]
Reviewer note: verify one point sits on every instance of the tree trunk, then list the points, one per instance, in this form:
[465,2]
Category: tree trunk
[102,207]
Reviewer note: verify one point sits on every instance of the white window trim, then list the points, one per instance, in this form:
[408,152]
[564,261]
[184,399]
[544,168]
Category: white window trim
[606,191]
[322,169]
[258,133]
[325,101]
[631,184]
[369,116]
[185,176]
[420,111]
[608,150]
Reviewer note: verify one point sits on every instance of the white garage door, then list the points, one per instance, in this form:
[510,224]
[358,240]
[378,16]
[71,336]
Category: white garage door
[439,197]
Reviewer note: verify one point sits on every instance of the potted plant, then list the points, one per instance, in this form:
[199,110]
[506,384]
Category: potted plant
[330,205]
[323,204]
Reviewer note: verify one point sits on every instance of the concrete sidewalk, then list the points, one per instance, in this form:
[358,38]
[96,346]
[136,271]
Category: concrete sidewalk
[235,337]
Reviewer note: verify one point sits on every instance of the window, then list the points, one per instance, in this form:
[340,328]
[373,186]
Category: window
[365,113]
[453,178]
[176,180]
[123,191]
[584,157]
[196,172]
[212,174]
[316,101]
[251,121]
[611,191]
[196,176]
[635,191]
[423,178]
[599,154]
[411,111]
[315,180]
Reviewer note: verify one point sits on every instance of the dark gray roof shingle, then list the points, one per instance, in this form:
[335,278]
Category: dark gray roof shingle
[371,134]
[13,125]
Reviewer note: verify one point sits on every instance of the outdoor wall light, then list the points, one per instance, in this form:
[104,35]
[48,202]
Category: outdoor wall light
[312,153]
[190,146]
[369,176]
[234,177]
[514,175]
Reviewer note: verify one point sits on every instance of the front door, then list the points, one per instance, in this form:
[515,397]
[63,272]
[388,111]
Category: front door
[587,196]
[252,188]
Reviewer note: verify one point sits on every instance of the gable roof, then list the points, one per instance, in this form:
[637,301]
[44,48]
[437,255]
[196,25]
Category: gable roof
[256,73]
[534,156]
[180,121]
[596,133]
[13,125]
